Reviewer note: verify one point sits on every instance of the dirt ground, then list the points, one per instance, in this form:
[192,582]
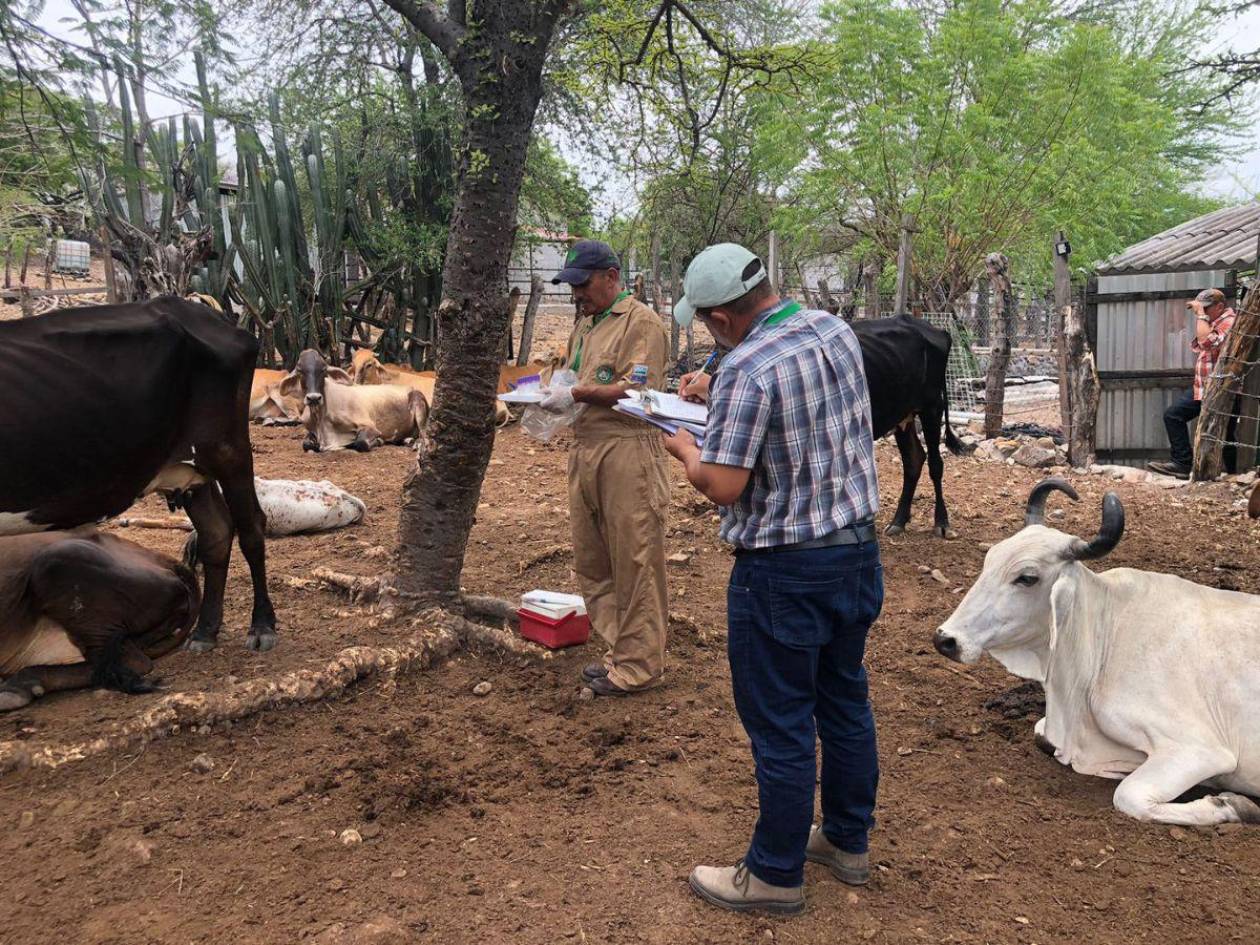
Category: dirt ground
[528,816]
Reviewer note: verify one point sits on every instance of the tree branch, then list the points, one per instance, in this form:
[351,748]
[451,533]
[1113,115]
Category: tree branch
[442,31]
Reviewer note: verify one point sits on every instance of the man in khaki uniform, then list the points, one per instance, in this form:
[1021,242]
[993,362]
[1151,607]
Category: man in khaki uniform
[618,478]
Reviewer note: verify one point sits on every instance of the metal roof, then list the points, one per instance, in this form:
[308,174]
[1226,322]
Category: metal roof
[1222,239]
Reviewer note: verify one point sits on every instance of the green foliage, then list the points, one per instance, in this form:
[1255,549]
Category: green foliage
[995,124]
[552,196]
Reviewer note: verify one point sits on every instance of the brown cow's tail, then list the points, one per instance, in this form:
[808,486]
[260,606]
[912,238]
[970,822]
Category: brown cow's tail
[190,557]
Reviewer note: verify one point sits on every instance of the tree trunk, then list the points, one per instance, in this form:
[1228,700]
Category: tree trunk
[1222,389]
[1000,350]
[1082,381]
[499,64]
[1058,325]
[531,312]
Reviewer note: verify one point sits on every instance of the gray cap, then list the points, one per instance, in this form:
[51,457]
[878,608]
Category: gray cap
[1210,297]
[719,274]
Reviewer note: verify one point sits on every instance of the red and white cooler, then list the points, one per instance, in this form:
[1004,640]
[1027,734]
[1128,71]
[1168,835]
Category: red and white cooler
[554,620]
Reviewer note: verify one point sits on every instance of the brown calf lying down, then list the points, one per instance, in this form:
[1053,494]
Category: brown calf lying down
[338,415]
[87,609]
[265,402]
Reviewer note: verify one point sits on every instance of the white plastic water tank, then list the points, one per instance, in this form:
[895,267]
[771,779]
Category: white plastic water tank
[72,256]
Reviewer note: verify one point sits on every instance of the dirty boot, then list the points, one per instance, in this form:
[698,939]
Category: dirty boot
[851,868]
[734,887]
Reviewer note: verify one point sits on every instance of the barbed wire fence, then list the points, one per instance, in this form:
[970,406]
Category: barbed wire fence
[1228,428]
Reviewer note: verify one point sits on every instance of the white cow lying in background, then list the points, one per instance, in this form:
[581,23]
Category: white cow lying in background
[1149,678]
[295,507]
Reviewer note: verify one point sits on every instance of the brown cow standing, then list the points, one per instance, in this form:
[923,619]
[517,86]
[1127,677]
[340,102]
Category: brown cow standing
[87,610]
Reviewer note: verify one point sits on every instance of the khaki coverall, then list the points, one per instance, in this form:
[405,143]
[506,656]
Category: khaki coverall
[619,494]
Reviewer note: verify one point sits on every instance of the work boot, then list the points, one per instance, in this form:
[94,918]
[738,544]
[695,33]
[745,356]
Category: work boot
[735,888]
[594,671]
[1170,469]
[851,868]
[603,686]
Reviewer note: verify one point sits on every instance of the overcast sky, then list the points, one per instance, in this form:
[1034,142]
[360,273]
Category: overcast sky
[1238,178]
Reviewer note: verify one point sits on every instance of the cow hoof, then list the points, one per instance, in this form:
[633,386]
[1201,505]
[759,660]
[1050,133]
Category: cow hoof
[309,447]
[262,641]
[895,529]
[11,699]
[1247,810]
[198,645]
[944,531]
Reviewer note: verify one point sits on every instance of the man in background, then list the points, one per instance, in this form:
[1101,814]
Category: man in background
[1213,320]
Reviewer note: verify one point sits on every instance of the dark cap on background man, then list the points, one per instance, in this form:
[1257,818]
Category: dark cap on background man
[586,257]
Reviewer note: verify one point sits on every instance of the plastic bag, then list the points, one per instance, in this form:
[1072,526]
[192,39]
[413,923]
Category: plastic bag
[543,424]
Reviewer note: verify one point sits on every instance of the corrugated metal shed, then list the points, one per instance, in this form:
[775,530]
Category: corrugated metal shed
[1223,239]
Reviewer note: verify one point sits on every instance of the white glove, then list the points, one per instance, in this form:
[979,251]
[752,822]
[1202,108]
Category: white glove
[558,400]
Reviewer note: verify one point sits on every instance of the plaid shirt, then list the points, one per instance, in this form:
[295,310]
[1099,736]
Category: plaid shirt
[1210,349]
[790,403]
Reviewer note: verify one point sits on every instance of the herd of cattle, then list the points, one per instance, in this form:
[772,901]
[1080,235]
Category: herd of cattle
[1149,678]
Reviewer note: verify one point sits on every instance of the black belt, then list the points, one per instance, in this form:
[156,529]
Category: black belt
[857,534]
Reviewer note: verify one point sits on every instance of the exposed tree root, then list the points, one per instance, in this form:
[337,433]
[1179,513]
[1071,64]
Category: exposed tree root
[437,635]
[137,521]
[542,557]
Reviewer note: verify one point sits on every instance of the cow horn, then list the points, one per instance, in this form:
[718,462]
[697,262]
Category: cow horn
[1036,513]
[1108,536]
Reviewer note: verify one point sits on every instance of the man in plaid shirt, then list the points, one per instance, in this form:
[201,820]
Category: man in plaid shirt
[789,457]
[1213,320]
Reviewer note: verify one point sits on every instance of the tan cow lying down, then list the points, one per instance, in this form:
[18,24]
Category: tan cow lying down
[267,405]
[87,610]
[341,416]
[295,507]
[366,369]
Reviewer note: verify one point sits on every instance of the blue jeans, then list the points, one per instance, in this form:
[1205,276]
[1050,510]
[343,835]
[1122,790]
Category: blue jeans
[1176,421]
[797,634]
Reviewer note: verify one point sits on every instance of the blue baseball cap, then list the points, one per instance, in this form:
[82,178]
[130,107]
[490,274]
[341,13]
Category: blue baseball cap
[586,257]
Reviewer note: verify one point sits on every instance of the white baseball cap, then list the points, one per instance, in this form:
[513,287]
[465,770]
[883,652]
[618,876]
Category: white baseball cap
[719,274]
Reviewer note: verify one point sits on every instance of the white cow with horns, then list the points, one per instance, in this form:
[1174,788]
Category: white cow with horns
[1149,678]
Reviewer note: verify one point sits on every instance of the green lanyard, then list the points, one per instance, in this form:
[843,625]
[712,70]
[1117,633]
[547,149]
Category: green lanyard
[784,313]
[577,353]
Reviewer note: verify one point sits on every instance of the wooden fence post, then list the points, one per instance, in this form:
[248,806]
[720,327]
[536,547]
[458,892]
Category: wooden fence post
[1082,379]
[1222,388]
[527,326]
[1062,299]
[675,293]
[871,271]
[772,261]
[825,301]
[111,288]
[998,267]
[657,302]
[901,303]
